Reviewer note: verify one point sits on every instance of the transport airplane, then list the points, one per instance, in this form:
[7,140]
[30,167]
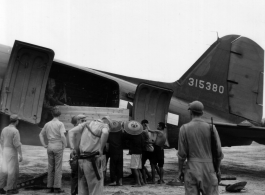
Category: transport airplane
[227,79]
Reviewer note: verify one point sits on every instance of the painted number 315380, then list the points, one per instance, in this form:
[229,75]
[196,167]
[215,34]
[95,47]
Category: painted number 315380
[206,85]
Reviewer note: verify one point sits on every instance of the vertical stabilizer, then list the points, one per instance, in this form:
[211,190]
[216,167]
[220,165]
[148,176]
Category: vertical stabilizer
[227,77]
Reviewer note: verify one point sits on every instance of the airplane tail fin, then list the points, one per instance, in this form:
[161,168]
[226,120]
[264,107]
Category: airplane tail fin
[227,77]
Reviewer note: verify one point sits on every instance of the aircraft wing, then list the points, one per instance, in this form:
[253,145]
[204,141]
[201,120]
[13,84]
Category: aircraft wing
[236,134]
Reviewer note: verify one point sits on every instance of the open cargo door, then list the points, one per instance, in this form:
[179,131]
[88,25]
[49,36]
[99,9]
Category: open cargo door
[151,103]
[25,81]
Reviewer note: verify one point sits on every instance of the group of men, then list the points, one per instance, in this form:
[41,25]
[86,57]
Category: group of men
[119,133]
[146,145]
[87,142]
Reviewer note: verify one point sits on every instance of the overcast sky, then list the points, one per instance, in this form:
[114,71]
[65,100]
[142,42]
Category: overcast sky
[157,40]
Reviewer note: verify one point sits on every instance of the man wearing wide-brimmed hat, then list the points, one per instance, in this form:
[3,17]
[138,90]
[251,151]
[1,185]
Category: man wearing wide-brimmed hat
[11,154]
[133,133]
[195,145]
[94,135]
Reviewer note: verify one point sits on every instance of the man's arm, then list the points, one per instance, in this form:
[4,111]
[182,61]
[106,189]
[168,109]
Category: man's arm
[182,152]
[17,144]
[42,140]
[2,141]
[19,151]
[104,138]
[62,131]
[181,172]
[220,154]
[43,131]
[73,132]
[154,131]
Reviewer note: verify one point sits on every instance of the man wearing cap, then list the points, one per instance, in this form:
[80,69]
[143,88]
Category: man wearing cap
[76,120]
[93,139]
[115,141]
[54,130]
[195,145]
[11,154]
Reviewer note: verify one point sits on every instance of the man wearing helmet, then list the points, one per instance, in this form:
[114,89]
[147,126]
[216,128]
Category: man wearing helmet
[195,145]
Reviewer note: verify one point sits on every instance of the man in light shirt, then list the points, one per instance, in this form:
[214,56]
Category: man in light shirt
[93,139]
[12,154]
[54,130]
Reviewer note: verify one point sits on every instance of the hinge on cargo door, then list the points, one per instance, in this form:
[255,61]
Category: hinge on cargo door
[7,90]
[130,95]
[43,66]
[26,65]
[33,90]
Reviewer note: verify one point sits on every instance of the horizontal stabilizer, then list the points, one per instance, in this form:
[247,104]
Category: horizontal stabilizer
[233,135]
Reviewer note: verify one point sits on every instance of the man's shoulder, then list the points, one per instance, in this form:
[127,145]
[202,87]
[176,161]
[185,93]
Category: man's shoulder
[10,129]
[60,122]
[195,122]
[54,122]
[48,123]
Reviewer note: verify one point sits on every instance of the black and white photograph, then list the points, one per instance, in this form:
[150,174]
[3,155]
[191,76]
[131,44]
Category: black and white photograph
[122,97]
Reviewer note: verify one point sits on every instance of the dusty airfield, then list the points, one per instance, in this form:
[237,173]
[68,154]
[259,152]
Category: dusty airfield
[247,163]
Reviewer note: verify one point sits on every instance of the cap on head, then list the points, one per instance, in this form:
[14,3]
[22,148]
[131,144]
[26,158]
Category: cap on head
[196,106]
[116,126]
[109,121]
[133,127]
[74,120]
[13,118]
[80,116]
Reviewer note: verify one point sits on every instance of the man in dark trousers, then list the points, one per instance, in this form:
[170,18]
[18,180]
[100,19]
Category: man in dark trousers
[158,154]
[194,145]
[115,141]
[146,155]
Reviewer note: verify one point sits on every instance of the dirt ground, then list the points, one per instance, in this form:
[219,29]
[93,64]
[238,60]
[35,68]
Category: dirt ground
[246,163]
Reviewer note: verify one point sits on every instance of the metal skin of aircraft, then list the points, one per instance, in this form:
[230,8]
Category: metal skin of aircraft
[227,79]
